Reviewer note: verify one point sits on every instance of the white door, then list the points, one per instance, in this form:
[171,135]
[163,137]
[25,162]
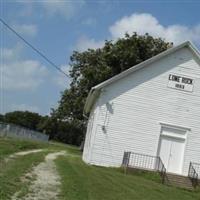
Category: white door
[172,153]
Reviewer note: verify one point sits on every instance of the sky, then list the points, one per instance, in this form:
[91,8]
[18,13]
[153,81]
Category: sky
[57,28]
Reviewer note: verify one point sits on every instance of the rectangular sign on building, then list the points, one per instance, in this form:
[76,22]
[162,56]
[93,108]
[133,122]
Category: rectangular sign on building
[181,82]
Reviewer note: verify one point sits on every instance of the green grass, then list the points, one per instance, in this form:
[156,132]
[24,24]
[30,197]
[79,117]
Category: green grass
[79,180]
[9,146]
[12,171]
[56,146]
[84,182]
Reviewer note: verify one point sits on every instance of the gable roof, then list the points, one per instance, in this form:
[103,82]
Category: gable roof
[95,91]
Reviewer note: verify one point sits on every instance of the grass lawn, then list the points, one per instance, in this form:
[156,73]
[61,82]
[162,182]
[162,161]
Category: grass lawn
[83,182]
[9,146]
[80,181]
[11,173]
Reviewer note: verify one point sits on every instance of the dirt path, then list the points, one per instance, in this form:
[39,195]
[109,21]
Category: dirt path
[22,153]
[46,183]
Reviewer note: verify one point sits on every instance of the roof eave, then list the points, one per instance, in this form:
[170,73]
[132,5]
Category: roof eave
[91,96]
[149,61]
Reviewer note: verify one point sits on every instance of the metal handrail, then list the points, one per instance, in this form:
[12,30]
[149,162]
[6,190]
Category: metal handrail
[193,175]
[196,167]
[163,171]
[144,161]
[125,161]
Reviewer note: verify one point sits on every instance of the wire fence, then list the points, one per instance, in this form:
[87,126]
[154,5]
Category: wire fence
[11,130]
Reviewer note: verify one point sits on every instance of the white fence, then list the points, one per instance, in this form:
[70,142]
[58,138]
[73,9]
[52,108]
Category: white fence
[11,130]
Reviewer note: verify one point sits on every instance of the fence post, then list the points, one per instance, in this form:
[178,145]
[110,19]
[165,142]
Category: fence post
[7,130]
[125,161]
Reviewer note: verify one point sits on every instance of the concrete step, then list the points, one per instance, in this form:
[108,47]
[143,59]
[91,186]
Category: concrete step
[179,181]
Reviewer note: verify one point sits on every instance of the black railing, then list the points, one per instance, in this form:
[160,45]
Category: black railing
[145,162]
[193,175]
[196,167]
[162,170]
[126,158]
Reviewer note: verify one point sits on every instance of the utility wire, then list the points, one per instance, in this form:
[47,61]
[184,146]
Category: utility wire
[32,47]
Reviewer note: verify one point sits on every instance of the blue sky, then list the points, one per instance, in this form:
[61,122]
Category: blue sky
[59,27]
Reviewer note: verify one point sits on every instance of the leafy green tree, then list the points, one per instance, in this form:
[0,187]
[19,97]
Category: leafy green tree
[69,132]
[1,118]
[23,118]
[49,126]
[93,66]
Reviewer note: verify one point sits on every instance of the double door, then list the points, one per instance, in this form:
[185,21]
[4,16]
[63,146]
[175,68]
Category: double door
[172,153]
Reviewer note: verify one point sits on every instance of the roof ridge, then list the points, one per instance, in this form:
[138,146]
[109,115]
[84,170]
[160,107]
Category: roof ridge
[94,90]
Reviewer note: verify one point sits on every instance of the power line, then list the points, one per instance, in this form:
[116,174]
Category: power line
[34,48]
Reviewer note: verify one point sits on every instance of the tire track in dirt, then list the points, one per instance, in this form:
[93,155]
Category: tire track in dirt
[46,183]
[21,153]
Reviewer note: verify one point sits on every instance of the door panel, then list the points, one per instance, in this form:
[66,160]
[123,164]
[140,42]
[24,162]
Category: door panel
[176,156]
[171,153]
[165,146]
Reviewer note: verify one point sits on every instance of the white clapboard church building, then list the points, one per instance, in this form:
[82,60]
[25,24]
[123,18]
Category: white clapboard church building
[151,110]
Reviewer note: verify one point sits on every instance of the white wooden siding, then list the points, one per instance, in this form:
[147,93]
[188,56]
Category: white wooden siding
[138,103]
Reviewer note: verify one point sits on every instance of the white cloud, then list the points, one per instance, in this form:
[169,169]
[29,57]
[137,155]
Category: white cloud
[24,107]
[26,29]
[146,23]
[85,43]
[19,74]
[60,79]
[50,8]
[67,9]
[10,54]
